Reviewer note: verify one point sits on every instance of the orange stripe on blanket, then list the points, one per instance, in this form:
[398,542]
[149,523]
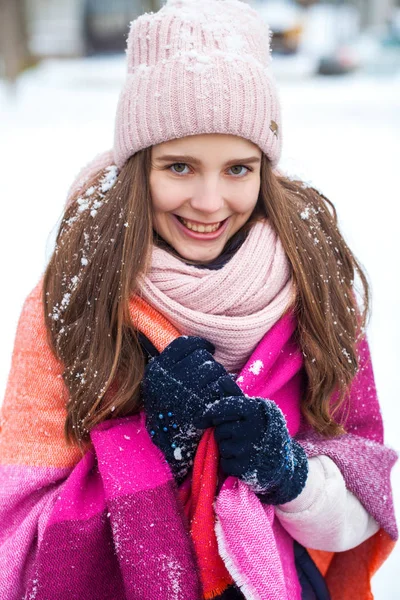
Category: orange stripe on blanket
[199,509]
[33,411]
[151,323]
[34,407]
[348,574]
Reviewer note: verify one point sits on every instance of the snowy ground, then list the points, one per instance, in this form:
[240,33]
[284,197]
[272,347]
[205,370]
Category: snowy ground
[343,135]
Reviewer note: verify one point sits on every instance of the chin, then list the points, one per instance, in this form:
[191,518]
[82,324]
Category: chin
[200,256]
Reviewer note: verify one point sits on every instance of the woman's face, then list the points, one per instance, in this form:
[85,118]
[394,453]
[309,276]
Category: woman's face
[204,189]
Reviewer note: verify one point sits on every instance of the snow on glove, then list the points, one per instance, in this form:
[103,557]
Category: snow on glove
[255,446]
[179,383]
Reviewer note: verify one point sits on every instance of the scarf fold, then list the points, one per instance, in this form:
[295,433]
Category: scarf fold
[110,525]
[248,302]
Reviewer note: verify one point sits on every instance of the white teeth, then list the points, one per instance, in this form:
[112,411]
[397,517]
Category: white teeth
[201,228]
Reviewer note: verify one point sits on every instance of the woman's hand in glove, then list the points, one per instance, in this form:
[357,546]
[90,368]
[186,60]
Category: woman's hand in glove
[179,383]
[255,446]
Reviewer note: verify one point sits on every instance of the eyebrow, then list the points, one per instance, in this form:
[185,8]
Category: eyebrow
[187,158]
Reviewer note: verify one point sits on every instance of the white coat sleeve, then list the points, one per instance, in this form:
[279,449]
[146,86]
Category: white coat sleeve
[326,516]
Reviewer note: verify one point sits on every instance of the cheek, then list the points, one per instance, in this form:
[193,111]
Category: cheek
[244,198]
[165,196]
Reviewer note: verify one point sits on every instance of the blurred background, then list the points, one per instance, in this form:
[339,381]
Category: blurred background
[338,69]
[326,37]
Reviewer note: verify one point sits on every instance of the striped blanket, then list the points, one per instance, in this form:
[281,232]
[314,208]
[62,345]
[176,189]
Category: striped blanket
[111,524]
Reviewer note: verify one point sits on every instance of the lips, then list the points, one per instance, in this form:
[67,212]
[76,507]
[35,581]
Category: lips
[201,231]
[200,227]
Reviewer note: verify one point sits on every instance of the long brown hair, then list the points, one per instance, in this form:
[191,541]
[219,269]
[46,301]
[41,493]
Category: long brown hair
[103,246]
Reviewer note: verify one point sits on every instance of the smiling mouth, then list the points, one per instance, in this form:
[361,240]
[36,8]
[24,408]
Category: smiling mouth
[201,227]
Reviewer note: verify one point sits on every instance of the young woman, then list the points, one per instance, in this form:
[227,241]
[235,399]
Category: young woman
[191,404]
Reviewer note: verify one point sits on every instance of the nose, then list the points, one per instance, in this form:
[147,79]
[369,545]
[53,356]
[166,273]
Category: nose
[207,197]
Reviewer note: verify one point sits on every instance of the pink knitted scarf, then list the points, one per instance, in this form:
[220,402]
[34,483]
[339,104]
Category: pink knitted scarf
[232,307]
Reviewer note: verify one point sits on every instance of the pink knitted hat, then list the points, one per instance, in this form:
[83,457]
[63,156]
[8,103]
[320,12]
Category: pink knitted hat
[198,66]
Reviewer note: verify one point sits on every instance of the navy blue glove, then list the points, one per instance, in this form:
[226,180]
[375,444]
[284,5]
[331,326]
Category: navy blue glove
[178,384]
[255,446]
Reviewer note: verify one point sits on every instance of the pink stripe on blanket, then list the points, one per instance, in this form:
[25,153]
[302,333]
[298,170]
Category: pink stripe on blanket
[365,466]
[363,460]
[266,570]
[27,497]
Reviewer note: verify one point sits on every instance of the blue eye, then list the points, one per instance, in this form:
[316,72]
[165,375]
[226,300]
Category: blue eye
[178,171]
[239,167]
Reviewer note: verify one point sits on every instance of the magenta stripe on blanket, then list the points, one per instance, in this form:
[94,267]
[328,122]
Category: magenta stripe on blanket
[155,546]
[92,483]
[82,495]
[273,341]
[124,450]
[131,542]
[274,371]
[81,554]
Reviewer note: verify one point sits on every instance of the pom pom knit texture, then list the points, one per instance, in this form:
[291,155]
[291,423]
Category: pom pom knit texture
[196,68]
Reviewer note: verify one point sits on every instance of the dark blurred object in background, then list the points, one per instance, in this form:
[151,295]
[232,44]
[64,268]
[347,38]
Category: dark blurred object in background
[14,52]
[34,29]
[105,23]
[326,37]
[333,37]
[286,20]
